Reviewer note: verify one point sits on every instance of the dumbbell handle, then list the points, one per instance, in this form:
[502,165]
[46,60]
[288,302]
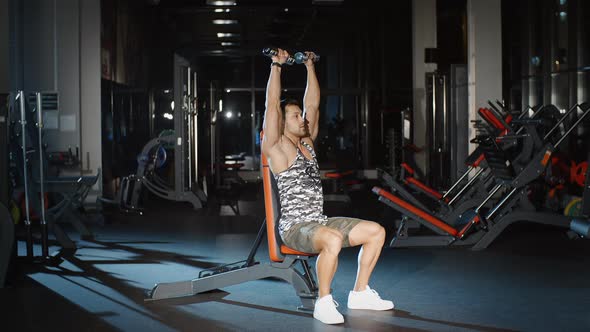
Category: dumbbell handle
[269,52]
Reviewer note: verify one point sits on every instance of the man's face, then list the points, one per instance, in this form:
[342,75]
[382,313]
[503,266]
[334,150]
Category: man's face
[294,122]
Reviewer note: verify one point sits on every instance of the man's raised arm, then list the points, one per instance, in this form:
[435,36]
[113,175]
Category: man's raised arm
[311,99]
[272,114]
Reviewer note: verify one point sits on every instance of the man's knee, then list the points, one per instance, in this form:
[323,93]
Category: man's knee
[377,231]
[382,232]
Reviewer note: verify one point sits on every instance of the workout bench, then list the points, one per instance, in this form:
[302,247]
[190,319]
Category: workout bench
[282,265]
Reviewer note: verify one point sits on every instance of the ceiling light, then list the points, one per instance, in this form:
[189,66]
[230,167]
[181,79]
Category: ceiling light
[228,44]
[226,34]
[221,10]
[225,22]
[221,3]
[326,2]
[228,114]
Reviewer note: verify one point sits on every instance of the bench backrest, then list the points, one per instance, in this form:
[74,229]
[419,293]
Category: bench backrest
[272,211]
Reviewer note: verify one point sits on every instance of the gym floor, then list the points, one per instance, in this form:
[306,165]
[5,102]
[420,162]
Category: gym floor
[532,278]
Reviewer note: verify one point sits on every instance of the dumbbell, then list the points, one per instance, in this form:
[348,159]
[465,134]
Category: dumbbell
[273,51]
[300,57]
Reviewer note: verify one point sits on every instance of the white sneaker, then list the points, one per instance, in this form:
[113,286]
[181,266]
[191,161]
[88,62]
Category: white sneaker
[325,311]
[368,299]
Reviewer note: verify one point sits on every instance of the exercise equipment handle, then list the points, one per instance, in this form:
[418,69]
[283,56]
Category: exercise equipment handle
[269,52]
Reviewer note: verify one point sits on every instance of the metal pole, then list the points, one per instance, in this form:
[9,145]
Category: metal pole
[466,186]
[444,161]
[189,140]
[23,123]
[493,211]
[572,127]
[560,121]
[212,128]
[532,116]
[195,116]
[433,128]
[44,246]
[253,130]
[529,109]
[496,188]
[457,182]
[179,127]
[257,242]
[445,117]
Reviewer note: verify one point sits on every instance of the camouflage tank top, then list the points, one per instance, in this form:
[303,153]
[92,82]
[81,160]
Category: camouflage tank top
[300,192]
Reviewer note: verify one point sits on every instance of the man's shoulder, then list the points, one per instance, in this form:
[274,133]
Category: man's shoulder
[276,148]
[267,146]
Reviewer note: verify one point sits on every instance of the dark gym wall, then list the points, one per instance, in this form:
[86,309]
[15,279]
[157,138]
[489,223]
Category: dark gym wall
[126,42]
[54,46]
[387,55]
[451,28]
[547,57]
[15,48]
[546,47]
[126,78]
[4,40]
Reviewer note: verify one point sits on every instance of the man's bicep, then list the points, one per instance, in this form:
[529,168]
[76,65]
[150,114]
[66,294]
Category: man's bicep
[313,117]
[271,126]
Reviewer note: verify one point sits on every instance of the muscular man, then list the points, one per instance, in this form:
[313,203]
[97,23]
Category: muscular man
[289,135]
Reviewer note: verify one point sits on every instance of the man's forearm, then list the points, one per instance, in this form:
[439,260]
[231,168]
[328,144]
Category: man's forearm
[272,116]
[273,88]
[311,99]
[273,104]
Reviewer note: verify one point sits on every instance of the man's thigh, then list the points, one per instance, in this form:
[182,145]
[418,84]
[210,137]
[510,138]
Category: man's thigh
[301,236]
[344,225]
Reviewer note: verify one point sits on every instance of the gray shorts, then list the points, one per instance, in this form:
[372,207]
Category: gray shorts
[300,236]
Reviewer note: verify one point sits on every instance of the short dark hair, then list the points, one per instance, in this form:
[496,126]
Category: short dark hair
[288,101]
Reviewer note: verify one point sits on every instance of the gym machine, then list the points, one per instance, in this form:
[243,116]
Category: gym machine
[183,141]
[586,192]
[468,193]
[283,261]
[30,175]
[580,224]
[504,204]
